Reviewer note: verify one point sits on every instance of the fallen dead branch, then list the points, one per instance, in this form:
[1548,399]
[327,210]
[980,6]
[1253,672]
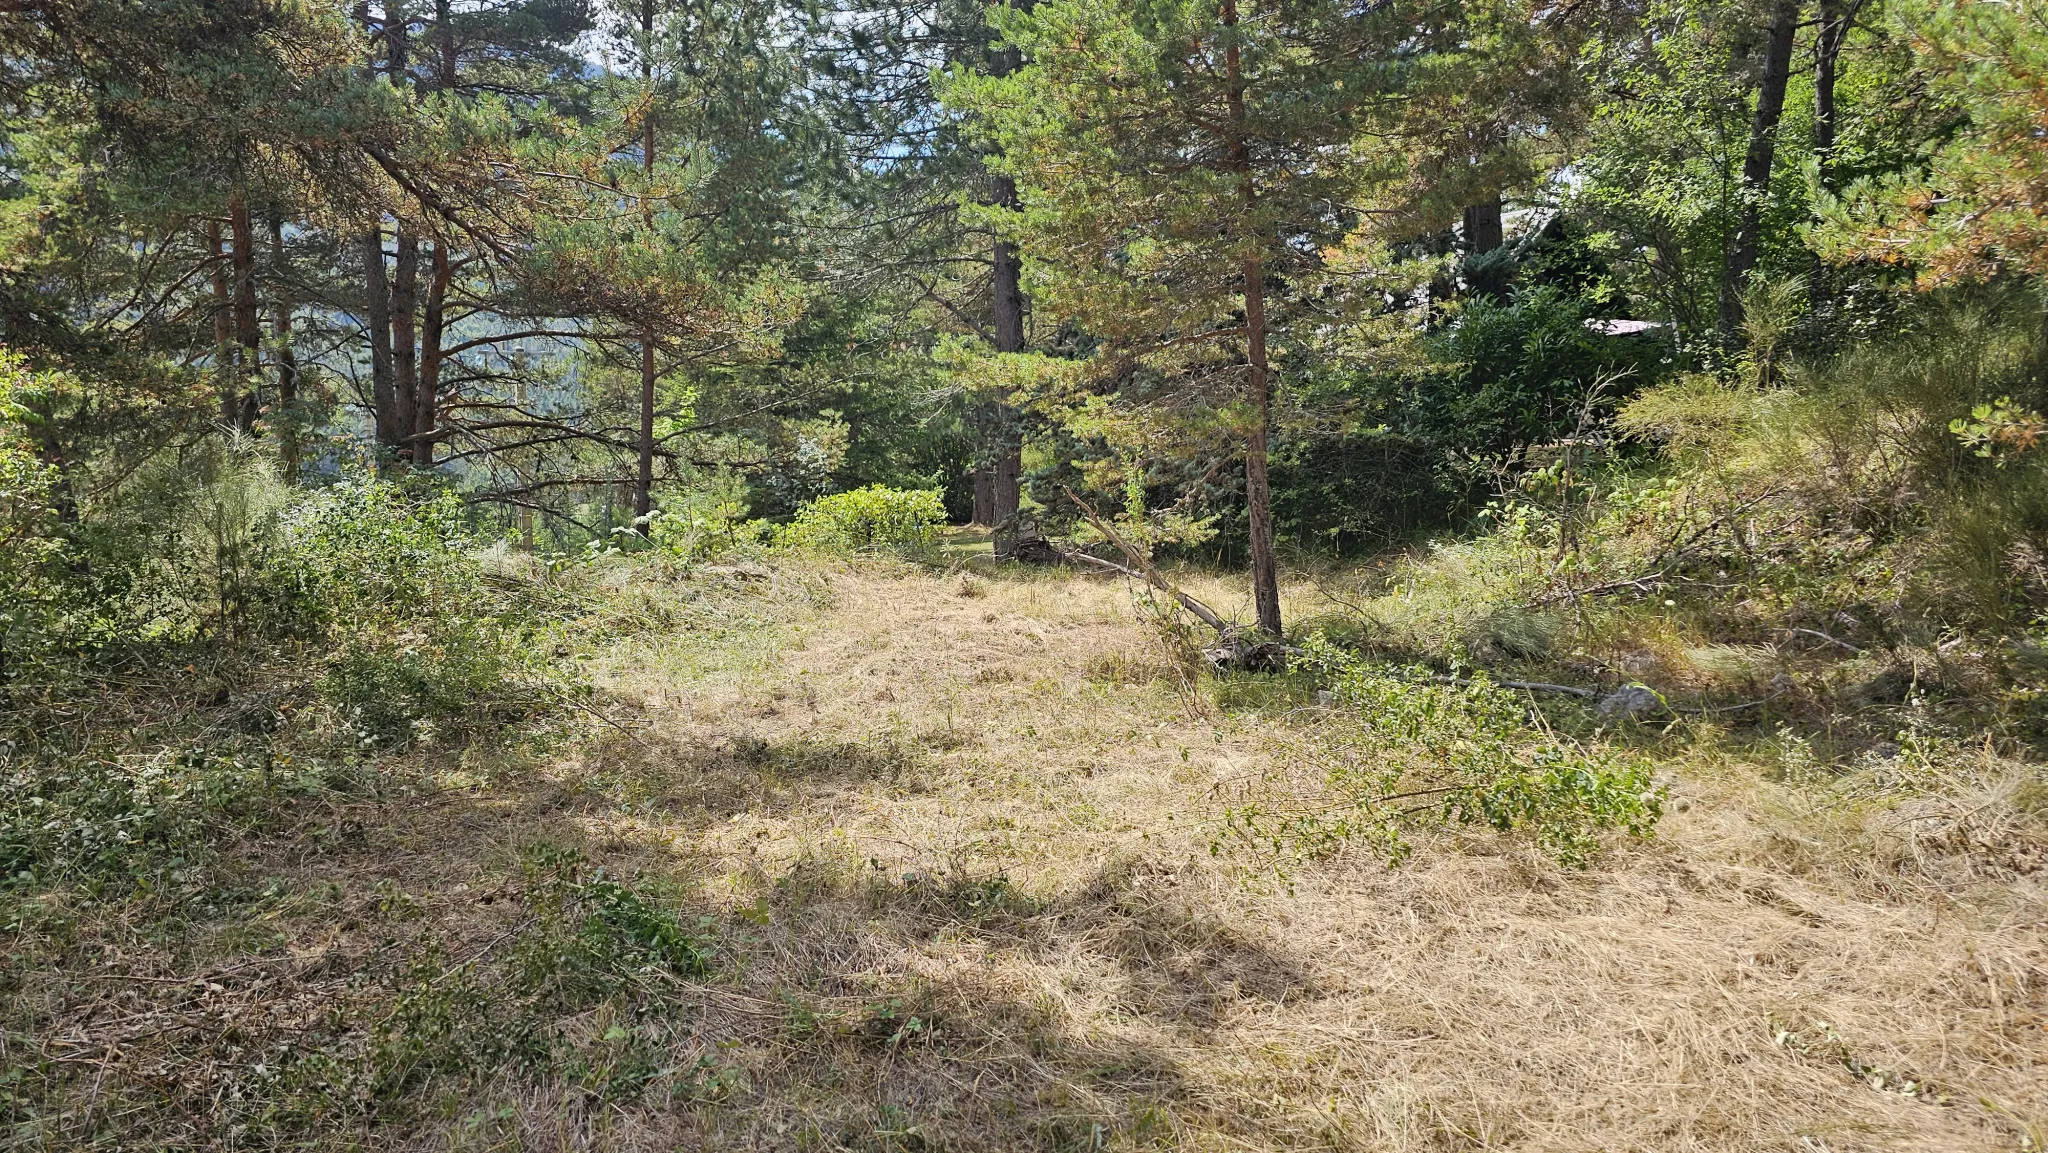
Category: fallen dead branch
[1239,648]
[1525,686]
[1141,569]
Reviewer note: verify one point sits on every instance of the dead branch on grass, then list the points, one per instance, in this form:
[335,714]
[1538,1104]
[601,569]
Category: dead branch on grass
[1142,568]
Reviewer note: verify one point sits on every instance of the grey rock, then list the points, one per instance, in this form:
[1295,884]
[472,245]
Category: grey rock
[1244,654]
[1632,700]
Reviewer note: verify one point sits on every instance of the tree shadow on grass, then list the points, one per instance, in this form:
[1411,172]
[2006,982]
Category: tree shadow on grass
[693,781]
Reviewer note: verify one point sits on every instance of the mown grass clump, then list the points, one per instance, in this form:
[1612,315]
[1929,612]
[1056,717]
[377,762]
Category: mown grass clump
[574,992]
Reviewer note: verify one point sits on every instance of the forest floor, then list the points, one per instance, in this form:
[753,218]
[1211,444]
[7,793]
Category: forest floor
[951,834]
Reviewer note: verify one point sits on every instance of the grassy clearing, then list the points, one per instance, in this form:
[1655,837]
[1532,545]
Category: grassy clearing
[885,857]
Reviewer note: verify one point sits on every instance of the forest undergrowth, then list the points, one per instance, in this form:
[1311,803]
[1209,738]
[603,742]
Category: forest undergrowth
[799,852]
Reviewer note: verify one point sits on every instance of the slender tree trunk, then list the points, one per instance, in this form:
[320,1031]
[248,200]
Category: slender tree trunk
[1258,491]
[643,485]
[985,496]
[1827,52]
[395,22]
[248,322]
[286,418]
[1483,230]
[1003,445]
[386,429]
[218,261]
[444,28]
[405,267]
[405,364]
[433,325]
[1006,484]
[1741,256]
[525,511]
[377,319]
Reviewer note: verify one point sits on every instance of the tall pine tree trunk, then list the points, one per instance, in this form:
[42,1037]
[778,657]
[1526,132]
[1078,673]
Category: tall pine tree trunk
[225,383]
[1258,491]
[1740,259]
[405,267]
[1001,475]
[389,432]
[385,429]
[985,495]
[248,323]
[1483,229]
[643,485]
[433,325]
[1827,52]
[405,365]
[1006,483]
[286,418]
[444,27]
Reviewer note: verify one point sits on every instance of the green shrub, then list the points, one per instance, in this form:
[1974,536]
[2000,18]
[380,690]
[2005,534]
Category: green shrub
[591,935]
[89,817]
[875,517]
[366,551]
[1409,749]
[706,518]
[397,691]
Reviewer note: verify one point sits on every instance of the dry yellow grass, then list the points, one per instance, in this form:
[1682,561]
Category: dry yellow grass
[982,796]
[957,827]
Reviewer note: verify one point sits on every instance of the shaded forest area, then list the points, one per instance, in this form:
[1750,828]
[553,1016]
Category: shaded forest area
[1481,462]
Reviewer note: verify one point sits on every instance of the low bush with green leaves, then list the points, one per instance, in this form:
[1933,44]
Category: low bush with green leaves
[394,692]
[372,550]
[574,998]
[592,935]
[1409,749]
[866,519]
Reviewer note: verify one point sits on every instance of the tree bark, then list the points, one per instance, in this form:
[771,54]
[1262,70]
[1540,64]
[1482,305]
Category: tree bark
[248,322]
[1827,52]
[1483,230]
[286,419]
[377,319]
[1740,259]
[444,28]
[405,365]
[1258,492]
[643,486]
[1004,451]
[433,325]
[395,60]
[985,496]
[224,367]
[1006,484]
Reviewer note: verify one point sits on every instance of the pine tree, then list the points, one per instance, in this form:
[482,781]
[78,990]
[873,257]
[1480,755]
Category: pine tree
[1180,164]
